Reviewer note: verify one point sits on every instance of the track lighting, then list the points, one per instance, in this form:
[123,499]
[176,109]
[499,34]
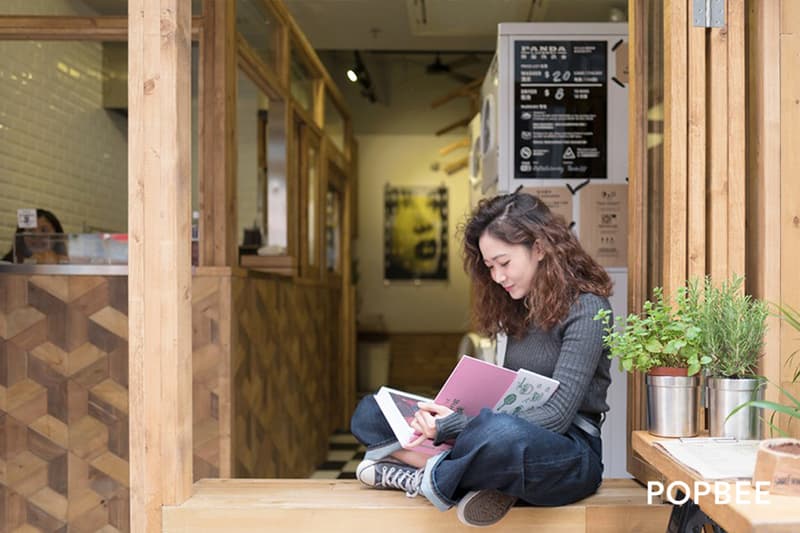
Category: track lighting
[358,73]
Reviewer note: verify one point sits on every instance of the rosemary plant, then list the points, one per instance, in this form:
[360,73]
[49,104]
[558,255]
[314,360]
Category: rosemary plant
[733,325]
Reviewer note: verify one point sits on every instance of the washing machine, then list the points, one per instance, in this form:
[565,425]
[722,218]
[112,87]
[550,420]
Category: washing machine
[477,346]
[474,166]
[554,106]
[553,120]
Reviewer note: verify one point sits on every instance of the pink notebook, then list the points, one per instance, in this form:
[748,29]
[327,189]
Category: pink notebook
[473,384]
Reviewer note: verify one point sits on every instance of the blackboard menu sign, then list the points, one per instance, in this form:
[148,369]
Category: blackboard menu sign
[560,109]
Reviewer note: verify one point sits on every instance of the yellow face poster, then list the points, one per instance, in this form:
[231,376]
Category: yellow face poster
[415,233]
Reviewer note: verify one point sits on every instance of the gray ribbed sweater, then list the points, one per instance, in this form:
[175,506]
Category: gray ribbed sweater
[571,352]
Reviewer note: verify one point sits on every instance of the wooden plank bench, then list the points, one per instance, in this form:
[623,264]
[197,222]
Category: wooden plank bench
[301,505]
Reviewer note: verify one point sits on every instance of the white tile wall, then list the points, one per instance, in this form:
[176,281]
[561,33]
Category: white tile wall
[45,7]
[59,148]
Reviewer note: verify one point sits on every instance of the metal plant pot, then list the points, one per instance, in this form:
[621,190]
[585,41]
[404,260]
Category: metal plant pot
[672,405]
[726,394]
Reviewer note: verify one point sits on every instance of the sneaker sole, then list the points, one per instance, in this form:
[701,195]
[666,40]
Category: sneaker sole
[484,508]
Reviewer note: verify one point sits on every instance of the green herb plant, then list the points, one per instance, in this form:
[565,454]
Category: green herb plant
[732,326]
[662,336]
[792,409]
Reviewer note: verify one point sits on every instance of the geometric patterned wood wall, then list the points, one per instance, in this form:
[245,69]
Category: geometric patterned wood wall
[64,398]
[211,371]
[285,342]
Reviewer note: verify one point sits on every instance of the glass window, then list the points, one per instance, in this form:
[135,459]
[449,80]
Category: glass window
[312,203]
[261,185]
[277,187]
[334,122]
[301,82]
[76,8]
[64,133]
[195,129]
[333,223]
[311,215]
[252,112]
[260,28]
[655,134]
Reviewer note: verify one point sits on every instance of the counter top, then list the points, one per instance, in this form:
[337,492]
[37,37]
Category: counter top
[731,506]
[66,270]
[94,270]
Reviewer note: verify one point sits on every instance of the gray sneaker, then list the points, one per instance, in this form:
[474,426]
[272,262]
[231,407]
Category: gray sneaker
[389,474]
[481,508]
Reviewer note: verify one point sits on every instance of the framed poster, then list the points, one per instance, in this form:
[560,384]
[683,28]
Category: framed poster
[415,233]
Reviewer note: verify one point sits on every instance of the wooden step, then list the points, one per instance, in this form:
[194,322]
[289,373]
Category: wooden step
[300,505]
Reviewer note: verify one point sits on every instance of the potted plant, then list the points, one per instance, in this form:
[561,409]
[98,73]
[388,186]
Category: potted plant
[662,342]
[732,328]
[777,456]
[792,409]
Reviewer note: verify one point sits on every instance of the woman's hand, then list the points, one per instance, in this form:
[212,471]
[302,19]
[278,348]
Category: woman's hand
[424,422]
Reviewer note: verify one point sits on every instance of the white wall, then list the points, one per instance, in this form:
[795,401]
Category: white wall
[397,145]
[431,306]
[45,7]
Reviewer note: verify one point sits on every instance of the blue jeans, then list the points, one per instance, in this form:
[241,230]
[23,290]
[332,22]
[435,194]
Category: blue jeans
[496,451]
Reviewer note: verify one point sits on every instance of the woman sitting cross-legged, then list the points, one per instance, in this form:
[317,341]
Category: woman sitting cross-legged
[537,285]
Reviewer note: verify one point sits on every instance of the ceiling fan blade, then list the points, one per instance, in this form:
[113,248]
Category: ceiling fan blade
[462,78]
[463,61]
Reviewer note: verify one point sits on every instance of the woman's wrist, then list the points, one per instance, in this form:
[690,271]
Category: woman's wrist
[449,427]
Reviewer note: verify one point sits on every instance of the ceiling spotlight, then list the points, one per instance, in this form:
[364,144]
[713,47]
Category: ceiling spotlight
[358,74]
[357,71]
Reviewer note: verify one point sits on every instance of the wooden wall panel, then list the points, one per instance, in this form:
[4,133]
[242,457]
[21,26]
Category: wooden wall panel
[696,194]
[790,185]
[704,201]
[283,347]
[675,143]
[736,137]
[211,399]
[698,210]
[638,194]
[764,174]
[159,272]
[217,136]
[64,398]
[717,209]
[422,361]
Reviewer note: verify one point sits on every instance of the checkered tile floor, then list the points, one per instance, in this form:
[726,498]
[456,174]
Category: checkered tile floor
[344,454]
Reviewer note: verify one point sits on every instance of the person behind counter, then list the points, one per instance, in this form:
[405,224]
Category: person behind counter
[46,222]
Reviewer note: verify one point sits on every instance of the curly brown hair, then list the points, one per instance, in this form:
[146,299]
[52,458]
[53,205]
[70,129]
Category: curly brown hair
[564,272]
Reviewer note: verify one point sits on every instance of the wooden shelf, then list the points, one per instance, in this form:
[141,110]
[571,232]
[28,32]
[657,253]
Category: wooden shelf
[285,265]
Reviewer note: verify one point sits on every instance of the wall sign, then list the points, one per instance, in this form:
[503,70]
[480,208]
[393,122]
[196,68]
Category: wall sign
[560,104]
[26,218]
[604,223]
[557,199]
